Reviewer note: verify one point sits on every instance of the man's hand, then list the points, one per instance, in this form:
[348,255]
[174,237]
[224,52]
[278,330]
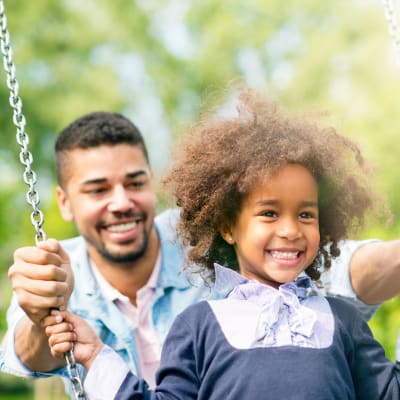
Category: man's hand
[41,278]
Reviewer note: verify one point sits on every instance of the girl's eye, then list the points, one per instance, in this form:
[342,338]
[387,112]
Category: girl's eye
[306,215]
[270,214]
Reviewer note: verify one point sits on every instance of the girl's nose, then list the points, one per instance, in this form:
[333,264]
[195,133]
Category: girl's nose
[289,230]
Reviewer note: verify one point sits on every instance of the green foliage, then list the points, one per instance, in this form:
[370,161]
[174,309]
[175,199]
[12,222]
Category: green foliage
[385,325]
[15,388]
[163,62]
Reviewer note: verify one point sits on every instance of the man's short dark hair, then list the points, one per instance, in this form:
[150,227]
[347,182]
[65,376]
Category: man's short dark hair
[96,129]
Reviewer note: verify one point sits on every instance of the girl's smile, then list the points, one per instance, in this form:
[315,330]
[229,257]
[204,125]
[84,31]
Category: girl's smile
[286,257]
[276,235]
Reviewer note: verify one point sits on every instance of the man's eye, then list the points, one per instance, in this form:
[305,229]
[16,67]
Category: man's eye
[96,191]
[136,184]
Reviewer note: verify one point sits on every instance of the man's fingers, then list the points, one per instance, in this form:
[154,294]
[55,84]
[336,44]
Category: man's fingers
[53,246]
[38,307]
[37,302]
[42,254]
[63,260]
[49,272]
[37,287]
[41,278]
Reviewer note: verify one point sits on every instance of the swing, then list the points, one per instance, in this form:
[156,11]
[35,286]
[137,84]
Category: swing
[393,27]
[29,175]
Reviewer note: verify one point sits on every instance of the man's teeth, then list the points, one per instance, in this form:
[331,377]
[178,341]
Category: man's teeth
[285,254]
[122,227]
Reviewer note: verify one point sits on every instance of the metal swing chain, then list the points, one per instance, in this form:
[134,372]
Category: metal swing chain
[393,28]
[29,175]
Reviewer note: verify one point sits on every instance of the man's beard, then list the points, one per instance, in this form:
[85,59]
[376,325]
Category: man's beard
[117,258]
[125,258]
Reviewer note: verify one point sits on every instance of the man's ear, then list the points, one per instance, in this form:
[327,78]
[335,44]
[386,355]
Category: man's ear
[64,204]
[226,234]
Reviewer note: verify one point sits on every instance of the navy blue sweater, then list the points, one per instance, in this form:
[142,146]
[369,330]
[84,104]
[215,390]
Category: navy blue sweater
[199,363]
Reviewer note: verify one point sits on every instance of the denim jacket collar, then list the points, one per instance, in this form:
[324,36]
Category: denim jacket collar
[170,271]
[171,274]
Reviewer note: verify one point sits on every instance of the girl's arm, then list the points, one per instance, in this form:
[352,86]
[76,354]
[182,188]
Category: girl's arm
[108,376]
[67,331]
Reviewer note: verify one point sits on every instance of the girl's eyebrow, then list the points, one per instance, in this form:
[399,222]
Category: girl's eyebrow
[271,202]
[310,203]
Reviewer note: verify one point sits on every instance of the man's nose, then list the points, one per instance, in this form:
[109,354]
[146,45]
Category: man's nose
[120,200]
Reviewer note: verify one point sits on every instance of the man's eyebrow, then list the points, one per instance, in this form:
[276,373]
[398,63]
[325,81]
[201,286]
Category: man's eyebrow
[136,173]
[130,175]
[93,181]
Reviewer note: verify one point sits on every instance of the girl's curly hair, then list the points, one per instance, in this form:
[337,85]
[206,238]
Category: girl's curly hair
[225,156]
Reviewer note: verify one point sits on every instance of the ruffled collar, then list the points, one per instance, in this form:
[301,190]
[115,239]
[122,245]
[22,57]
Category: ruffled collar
[227,279]
[283,319]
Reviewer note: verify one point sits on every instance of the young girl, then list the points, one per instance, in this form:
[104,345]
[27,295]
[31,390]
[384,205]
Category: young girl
[262,194]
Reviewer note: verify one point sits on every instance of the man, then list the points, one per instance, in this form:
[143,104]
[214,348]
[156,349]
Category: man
[126,266]
[126,262]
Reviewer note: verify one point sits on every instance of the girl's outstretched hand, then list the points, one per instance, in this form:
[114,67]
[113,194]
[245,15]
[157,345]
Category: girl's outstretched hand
[67,331]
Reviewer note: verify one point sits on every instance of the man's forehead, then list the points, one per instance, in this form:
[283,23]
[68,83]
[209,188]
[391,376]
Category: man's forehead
[108,156]
[105,149]
[107,163]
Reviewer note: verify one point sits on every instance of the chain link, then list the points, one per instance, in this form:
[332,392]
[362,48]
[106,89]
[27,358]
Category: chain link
[25,156]
[393,26]
[73,374]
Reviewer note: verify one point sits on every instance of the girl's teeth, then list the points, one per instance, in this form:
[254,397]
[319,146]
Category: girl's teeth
[284,254]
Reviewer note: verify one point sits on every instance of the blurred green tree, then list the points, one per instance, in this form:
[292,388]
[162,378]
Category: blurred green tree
[162,62]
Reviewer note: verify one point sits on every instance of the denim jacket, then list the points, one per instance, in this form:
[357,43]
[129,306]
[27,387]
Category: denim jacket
[173,294]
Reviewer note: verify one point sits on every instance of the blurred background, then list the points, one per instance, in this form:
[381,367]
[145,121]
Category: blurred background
[162,62]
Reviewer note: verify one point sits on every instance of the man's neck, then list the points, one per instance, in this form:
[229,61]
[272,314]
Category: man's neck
[128,278]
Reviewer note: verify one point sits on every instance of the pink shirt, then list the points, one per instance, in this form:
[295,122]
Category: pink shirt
[148,345]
